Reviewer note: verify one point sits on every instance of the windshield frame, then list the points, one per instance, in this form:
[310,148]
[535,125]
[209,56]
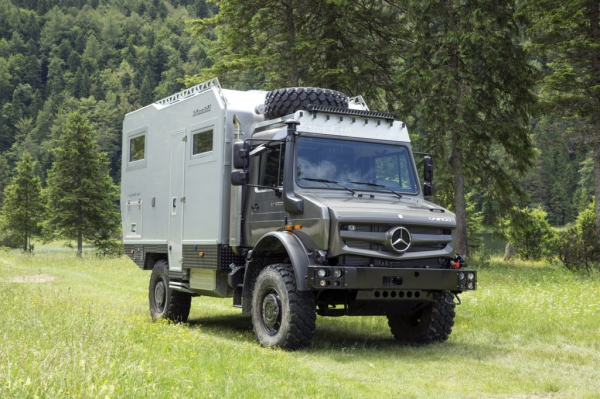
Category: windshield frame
[365,188]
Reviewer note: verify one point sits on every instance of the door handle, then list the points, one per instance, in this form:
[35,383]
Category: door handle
[255,207]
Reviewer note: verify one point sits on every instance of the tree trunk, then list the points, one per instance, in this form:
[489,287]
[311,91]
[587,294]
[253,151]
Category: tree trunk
[79,244]
[79,230]
[25,246]
[460,202]
[291,41]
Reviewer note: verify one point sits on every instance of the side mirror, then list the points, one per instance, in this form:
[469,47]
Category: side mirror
[239,177]
[428,169]
[240,155]
[427,189]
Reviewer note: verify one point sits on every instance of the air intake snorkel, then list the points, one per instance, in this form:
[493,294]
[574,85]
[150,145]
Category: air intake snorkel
[291,202]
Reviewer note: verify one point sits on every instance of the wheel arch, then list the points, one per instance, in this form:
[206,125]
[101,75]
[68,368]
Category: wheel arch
[275,247]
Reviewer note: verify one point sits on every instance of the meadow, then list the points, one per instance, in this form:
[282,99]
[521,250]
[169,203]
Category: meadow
[81,328]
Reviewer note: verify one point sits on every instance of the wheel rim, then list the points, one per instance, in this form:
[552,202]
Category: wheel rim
[160,295]
[271,312]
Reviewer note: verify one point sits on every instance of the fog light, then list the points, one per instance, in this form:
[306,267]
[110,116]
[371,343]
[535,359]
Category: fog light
[337,273]
[471,286]
[322,283]
[351,227]
[322,272]
[471,276]
[336,283]
[461,276]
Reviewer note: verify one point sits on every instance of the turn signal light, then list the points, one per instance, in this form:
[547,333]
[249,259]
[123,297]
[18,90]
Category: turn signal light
[292,227]
[201,254]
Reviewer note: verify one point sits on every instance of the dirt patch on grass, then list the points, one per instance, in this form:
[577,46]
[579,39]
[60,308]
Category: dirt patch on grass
[37,278]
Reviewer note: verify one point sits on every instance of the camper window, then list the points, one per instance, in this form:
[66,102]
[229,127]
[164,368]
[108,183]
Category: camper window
[202,142]
[137,147]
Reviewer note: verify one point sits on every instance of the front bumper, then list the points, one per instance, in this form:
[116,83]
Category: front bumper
[373,278]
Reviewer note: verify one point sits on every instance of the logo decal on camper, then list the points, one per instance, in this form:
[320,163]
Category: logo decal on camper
[201,110]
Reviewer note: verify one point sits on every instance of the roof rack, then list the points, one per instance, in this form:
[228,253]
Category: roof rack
[192,91]
[314,109]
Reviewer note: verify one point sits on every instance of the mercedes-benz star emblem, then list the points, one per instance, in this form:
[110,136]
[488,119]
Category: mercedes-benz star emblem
[400,239]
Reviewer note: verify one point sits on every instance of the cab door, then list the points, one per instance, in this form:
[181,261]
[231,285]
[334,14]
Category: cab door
[265,205]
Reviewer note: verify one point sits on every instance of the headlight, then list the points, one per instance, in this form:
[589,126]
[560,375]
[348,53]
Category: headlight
[461,276]
[471,276]
[322,272]
[337,273]
[471,286]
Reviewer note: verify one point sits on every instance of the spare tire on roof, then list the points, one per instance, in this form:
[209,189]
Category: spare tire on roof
[282,102]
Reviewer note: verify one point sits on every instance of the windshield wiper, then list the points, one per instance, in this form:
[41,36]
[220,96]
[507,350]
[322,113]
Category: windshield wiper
[365,183]
[328,181]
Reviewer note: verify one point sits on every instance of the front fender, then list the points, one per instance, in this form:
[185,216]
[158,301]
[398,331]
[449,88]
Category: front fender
[279,245]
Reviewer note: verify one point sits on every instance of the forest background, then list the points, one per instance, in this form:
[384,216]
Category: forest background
[505,95]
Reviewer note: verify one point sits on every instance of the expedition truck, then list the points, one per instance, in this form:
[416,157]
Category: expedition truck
[293,203]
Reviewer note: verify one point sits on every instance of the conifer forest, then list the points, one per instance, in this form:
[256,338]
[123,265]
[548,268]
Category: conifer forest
[504,94]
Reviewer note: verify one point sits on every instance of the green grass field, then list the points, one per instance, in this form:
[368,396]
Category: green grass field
[530,331]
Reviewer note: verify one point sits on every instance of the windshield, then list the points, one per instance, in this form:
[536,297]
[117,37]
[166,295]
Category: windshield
[354,163]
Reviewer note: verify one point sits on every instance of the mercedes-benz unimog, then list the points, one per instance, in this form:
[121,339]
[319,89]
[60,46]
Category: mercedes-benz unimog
[292,203]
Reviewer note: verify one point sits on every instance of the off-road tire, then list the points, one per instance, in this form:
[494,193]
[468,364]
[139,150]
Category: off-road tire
[433,323]
[174,305]
[282,102]
[296,322]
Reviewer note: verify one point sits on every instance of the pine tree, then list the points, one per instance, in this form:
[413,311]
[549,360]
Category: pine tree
[469,86]
[147,90]
[4,177]
[22,209]
[342,45]
[566,35]
[81,195]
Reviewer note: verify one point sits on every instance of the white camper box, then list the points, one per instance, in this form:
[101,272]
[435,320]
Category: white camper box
[175,183]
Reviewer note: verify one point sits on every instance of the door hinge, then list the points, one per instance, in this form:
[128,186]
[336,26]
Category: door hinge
[183,199]
[184,138]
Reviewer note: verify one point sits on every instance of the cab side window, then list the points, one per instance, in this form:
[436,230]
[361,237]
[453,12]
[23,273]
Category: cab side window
[271,166]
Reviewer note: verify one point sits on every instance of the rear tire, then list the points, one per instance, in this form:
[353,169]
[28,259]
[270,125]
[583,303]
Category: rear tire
[166,303]
[283,102]
[433,323]
[282,316]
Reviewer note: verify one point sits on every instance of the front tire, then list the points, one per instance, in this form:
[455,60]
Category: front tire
[282,316]
[432,323]
[166,303]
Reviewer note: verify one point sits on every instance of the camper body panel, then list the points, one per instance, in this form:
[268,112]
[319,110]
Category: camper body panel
[175,190]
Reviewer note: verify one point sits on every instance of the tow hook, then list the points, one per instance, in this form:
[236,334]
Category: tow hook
[451,296]
[458,262]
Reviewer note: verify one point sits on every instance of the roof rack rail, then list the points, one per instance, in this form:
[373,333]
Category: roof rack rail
[314,109]
[192,91]
[359,101]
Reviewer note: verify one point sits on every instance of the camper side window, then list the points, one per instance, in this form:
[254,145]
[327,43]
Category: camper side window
[271,167]
[202,142]
[137,147]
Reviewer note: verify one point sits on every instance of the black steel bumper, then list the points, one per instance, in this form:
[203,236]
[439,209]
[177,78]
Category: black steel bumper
[372,278]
